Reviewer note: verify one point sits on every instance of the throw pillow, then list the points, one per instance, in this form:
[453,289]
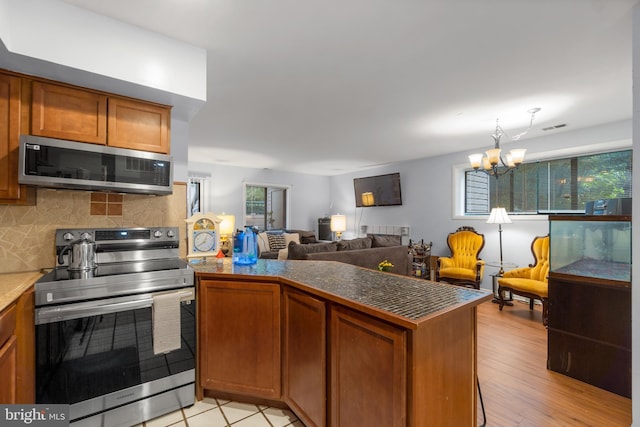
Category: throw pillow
[263,242]
[297,251]
[276,242]
[360,243]
[381,240]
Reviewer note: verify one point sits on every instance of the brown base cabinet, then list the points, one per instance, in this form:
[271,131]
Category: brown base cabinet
[304,375]
[368,358]
[239,337]
[9,369]
[339,366]
[8,355]
[17,351]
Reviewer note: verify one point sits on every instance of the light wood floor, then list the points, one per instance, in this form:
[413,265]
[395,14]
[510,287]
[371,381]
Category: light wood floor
[517,388]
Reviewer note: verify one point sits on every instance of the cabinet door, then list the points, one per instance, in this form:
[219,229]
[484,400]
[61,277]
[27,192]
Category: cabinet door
[597,312]
[304,359]
[25,333]
[67,113]
[8,355]
[13,118]
[239,337]
[368,371]
[8,379]
[138,125]
[597,363]
[9,136]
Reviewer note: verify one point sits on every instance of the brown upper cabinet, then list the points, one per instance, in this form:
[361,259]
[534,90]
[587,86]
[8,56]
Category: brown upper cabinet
[138,125]
[86,116]
[68,113]
[12,117]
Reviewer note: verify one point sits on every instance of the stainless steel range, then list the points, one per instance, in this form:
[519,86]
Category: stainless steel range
[115,327]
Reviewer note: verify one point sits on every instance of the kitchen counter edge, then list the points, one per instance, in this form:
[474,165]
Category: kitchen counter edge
[268,270]
[12,285]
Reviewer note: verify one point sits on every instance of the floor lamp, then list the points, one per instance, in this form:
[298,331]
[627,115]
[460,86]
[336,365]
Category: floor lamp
[499,216]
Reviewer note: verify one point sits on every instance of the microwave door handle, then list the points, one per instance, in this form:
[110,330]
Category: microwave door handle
[68,312]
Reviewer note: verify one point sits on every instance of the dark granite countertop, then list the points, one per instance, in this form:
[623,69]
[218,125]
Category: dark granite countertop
[403,297]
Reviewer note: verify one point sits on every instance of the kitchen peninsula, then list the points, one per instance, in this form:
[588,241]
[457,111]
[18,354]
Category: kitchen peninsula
[339,344]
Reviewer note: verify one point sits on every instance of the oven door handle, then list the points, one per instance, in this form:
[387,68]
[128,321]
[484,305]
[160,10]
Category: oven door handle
[95,308]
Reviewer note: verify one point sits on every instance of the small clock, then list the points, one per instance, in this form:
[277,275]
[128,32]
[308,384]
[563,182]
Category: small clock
[203,234]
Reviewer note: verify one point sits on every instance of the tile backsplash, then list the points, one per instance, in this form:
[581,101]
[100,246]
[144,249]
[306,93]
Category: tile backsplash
[27,232]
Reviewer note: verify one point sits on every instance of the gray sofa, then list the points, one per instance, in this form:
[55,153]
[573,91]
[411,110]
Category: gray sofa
[305,237]
[365,252]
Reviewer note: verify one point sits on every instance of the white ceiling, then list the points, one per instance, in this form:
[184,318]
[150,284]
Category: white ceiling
[328,87]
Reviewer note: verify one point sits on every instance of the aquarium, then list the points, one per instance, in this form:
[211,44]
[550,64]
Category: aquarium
[591,246]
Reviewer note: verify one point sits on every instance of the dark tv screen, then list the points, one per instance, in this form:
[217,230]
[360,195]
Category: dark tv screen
[384,188]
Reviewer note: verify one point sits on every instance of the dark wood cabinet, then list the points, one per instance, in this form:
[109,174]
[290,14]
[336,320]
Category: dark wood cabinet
[239,337]
[368,358]
[590,332]
[304,357]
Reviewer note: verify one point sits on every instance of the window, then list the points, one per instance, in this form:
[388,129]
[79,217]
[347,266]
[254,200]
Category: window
[266,206]
[551,186]
[195,195]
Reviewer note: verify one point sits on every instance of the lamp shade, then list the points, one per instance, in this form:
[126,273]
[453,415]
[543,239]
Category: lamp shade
[227,224]
[367,199]
[499,216]
[518,155]
[338,223]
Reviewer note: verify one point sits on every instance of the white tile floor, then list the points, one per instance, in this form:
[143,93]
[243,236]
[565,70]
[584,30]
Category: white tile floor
[223,413]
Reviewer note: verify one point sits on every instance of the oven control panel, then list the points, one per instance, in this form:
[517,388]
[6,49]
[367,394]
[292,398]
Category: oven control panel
[135,236]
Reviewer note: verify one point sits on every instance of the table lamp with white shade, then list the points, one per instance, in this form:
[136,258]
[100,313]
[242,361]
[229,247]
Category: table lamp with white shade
[338,225]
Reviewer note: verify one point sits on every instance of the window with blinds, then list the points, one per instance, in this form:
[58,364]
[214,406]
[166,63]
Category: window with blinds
[551,186]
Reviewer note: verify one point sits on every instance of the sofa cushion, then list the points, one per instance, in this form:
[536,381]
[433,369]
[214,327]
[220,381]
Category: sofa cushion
[360,243]
[382,240]
[370,258]
[291,237]
[300,251]
[276,241]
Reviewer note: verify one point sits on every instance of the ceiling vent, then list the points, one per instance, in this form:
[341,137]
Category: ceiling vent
[555,127]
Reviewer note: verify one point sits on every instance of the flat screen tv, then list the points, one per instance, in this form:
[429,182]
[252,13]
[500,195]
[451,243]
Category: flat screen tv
[380,190]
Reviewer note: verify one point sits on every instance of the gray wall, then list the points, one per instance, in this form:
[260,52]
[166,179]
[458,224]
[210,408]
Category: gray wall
[428,196]
[310,194]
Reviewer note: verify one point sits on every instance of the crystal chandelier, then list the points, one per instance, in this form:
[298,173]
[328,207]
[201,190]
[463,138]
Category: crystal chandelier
[491,164]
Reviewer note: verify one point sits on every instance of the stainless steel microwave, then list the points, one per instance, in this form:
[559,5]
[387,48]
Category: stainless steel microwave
[56,163]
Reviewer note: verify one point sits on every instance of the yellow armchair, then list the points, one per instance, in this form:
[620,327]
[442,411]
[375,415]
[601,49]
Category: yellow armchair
[531,282]
[463,267]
